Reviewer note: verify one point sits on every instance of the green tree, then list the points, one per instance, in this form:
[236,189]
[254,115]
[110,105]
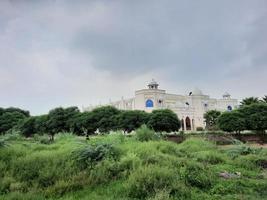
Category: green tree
[56,121]
[9,120]
[12,109]
[60,120]
[2,110]
[249,101]
[255,116]
[211,118]
[132,119]
[232,121]
[86,124]
[41,124]
[27,126]
[164,120]
[105,118]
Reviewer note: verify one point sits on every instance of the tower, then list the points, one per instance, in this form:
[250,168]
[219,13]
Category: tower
[153,85]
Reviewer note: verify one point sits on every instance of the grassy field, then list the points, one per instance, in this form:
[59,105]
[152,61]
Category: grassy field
[119,167]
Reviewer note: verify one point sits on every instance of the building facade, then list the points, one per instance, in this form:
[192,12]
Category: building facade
[189,108]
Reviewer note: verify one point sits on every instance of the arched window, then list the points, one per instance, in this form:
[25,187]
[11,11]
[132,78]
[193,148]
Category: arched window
[229,108]
[187,124]
[149,103]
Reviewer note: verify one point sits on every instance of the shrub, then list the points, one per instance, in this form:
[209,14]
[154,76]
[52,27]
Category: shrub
[146,181]
[210,157]
[129,162]
[198,175]
[2,143]
[196,144]
[43,139]
[88,156]
[200,129]
[241,150]
[104,172]
[145,134]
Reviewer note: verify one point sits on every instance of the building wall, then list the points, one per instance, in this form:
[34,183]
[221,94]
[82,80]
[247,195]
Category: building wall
[189,108]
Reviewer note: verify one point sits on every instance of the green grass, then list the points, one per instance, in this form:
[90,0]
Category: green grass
[119,167]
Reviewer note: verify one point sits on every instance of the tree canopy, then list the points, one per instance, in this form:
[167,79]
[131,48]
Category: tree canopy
[164,120]
[211,118]
[249,101]
[232,121]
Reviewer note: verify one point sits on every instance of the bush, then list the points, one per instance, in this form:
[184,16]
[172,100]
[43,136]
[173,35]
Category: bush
[241,150]
[192,145]
[2,143]
[42,139]
[200,129]
[88,156]
[198,175]
[145,134]
[210,157]
[146,181]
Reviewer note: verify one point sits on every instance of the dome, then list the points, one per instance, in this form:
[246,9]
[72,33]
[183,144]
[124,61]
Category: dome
[197,92]
[153,82]
[226,95]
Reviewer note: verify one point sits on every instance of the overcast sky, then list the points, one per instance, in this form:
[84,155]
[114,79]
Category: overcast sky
[64,52]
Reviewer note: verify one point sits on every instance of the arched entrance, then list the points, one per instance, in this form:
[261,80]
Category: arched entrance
[188,124]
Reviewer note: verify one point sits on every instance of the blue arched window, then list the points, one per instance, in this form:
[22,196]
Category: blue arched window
[229,108]
[149,103]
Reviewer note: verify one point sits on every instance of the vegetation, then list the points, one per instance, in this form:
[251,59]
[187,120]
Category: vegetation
[164,120]
[115,166]
[211,118]
[232,121]
[251,115]
[249,101]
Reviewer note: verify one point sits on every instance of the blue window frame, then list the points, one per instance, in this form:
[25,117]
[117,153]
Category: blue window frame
[149,103]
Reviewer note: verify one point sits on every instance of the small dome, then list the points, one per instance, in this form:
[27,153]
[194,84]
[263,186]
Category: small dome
[197,92]
[153,82]
[226,95]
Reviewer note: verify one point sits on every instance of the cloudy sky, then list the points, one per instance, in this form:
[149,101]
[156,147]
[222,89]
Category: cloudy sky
[65,52]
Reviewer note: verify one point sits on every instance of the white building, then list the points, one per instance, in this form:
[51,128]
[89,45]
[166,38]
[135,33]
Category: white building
[189,108]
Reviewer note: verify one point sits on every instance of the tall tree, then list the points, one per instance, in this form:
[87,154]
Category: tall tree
[211,118]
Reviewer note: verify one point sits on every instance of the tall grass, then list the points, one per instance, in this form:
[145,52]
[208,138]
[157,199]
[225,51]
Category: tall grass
[120,167]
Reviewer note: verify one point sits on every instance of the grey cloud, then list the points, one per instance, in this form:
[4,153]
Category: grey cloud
[79,52]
